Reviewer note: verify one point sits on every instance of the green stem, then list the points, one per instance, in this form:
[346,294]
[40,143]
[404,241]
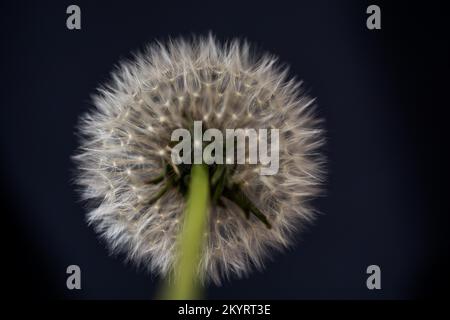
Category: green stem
[186,282]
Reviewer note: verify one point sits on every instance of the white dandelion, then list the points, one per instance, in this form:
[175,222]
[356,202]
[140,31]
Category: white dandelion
[137,193]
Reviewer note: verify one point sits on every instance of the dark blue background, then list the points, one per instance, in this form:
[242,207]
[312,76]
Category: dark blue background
[377,90]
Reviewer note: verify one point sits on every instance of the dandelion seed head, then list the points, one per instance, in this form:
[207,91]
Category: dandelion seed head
[228,88]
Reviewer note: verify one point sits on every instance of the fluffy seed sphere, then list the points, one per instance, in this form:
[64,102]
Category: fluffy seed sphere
[126,145]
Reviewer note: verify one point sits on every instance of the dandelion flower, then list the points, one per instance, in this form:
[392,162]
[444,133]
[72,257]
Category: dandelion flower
[136,192]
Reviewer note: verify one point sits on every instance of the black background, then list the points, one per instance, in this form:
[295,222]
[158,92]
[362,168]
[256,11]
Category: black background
[382,94]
